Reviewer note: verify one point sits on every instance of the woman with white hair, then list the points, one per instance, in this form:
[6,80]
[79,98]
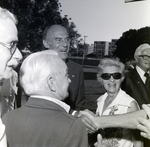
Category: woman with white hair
[115,101]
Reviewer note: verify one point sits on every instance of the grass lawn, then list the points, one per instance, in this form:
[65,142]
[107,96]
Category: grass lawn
[93,90]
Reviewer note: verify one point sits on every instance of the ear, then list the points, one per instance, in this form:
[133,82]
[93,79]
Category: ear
[51,84]
[136,59]
[45,44]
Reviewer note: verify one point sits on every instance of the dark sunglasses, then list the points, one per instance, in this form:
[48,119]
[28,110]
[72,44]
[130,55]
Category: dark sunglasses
[116,76]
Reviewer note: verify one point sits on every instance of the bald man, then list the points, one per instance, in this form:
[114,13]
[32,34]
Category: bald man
[56,38]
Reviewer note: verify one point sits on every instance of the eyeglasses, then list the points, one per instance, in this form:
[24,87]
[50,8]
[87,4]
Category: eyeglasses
[107,76]
[10,46]
[145,57]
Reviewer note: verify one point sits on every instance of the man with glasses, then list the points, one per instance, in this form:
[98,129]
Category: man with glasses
[56,38]
[10,55]
[136,80]
[137,83]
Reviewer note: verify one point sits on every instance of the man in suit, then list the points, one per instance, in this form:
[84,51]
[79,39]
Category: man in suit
[9,85]
[56,38]
[9,55]
[44,120]
[137,83]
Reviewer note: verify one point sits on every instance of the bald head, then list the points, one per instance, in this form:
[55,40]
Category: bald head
[56,38]
[50,30]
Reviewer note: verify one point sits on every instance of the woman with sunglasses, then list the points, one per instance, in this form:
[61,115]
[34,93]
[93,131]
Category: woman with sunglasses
[115,101]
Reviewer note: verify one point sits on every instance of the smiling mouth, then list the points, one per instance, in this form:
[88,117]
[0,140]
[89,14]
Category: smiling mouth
[112,85]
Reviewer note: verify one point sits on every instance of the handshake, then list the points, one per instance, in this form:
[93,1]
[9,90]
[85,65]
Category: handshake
[135,120]
[91,122]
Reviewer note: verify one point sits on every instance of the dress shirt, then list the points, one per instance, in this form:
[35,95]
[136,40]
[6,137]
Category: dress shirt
[14,81]
[141,73]
[2,129]
[58,102]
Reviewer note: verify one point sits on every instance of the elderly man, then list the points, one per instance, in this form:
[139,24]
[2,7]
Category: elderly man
[56,38]
[137,83]
[8,40]
[9,54]
[44,120]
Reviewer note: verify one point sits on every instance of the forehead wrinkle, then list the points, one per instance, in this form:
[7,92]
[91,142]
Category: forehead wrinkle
[54,30]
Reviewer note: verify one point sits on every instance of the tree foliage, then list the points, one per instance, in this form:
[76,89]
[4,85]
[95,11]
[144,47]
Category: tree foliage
[33,17]
[129,41]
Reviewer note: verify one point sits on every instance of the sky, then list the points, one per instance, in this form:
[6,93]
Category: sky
[103,20]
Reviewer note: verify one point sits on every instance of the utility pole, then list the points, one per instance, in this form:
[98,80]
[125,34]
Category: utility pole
[84,50]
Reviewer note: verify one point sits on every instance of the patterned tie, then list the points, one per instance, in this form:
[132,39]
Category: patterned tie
[147,82]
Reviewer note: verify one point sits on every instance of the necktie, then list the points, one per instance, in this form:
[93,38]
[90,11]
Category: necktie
[147,82]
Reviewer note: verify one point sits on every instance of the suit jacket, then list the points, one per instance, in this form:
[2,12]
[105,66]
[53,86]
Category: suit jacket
[76,98]
[134,86]
[8,93]
[42,123]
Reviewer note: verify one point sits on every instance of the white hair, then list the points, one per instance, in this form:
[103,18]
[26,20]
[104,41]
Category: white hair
[37,68]
[140,48]
[7,15]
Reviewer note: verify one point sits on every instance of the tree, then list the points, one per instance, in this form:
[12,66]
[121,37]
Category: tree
[33,17]
[129,41]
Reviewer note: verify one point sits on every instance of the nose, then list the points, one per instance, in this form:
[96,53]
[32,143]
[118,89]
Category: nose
[111,78]
[17,55]
[64,43]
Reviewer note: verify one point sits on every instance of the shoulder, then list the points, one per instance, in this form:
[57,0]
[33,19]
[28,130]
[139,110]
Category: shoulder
[69,122]
[124,99]
[132,72]
[127,96]
[72,63]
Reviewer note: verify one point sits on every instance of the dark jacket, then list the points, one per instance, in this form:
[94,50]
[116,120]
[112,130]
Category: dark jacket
[76,98]
[42,123]
[134,86]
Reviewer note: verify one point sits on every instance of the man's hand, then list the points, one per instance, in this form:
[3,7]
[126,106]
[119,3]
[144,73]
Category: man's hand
[87,118]
[99,142]
[144,125]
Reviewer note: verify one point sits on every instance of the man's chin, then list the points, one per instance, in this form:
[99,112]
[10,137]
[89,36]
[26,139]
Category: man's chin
[63,56]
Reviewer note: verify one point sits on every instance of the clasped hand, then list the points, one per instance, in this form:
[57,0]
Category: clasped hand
[144,124]
[88,118]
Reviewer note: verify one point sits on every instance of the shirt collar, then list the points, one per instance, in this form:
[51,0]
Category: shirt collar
[58,102]
[141,73]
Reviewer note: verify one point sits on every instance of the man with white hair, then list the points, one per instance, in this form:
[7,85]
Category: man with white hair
[137,82]
[8,40]
[9,54]
[44,120]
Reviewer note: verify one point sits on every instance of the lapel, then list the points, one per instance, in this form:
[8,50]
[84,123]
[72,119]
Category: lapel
[71,69]
[139,84]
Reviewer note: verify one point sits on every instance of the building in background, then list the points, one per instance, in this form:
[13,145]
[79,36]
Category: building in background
[104,48]
[112,46]
[101,48]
